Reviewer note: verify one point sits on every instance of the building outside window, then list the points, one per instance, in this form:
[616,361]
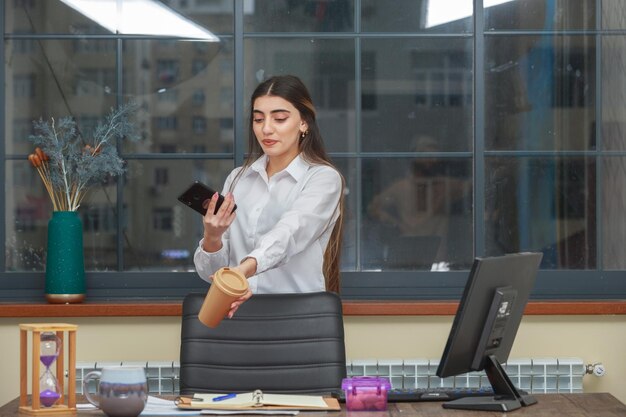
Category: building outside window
[162,218]
[198,97]
[161,176]
[199,125]
[24,86]
[166,122]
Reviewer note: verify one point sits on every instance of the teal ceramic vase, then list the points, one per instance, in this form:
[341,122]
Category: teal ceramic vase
[65,265]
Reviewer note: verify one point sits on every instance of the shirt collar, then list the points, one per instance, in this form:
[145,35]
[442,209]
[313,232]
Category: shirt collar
[297,168]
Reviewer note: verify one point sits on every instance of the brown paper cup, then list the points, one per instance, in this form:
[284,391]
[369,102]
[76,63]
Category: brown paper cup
[228,285]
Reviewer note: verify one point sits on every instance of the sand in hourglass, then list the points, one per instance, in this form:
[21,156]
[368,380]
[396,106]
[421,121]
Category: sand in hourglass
[48,397]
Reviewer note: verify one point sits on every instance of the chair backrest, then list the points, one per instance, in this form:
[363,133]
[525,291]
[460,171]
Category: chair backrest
[282,343]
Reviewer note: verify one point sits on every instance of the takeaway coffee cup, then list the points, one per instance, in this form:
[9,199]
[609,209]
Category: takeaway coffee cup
[122,391]
[227,286]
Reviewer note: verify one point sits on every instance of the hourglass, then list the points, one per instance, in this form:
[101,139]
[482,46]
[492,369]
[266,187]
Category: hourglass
[48,387]
[49,391]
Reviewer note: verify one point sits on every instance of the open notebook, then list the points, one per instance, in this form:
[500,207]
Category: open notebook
[259,400]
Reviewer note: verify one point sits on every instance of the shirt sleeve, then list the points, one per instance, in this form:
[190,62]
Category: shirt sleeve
[208,262]
[313,211]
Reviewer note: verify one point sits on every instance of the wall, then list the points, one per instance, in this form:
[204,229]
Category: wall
[592,338]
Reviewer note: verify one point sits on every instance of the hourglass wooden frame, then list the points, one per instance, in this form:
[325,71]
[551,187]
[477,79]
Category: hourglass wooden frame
[65,404]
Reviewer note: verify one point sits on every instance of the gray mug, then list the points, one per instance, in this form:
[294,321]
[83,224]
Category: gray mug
[122,391]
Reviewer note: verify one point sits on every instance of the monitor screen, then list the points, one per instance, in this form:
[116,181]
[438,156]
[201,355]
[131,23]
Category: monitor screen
[485,325]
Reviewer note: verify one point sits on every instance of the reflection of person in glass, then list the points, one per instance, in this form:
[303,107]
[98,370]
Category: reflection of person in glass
[285,235]
[419,203]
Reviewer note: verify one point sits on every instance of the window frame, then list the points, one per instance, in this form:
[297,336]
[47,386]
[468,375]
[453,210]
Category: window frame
[363,285]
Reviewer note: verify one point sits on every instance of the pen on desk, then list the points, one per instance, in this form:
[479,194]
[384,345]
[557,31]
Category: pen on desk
[224,397]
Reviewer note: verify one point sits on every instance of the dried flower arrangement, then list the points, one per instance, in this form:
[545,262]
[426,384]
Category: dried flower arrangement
[68,165]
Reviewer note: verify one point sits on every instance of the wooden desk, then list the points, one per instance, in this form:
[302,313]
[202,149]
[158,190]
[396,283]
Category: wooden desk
[550,405]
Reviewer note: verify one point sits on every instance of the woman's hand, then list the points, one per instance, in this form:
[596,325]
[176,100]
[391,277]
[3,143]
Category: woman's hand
[235,305]
[247,268]
[216,224]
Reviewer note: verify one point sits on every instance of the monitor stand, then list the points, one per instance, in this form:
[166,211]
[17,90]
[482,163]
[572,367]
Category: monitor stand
[506,396]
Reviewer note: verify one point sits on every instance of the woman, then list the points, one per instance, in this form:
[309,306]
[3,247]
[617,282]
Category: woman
[285,235]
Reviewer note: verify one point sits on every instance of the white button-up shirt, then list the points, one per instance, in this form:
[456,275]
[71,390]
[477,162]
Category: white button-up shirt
[284,222]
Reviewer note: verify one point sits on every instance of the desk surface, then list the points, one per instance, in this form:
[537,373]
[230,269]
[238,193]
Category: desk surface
[549,405]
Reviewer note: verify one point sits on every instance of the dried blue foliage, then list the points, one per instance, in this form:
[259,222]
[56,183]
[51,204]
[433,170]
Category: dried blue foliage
[76,163]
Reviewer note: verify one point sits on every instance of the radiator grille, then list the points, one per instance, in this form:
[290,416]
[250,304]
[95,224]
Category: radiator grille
[535,375]
[539,375]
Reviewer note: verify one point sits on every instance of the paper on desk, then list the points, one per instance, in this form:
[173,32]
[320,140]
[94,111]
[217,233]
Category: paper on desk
[158,406]
[248,399]
[154,407]
[268,412]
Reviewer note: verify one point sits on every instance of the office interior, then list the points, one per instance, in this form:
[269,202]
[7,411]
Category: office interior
[463,128]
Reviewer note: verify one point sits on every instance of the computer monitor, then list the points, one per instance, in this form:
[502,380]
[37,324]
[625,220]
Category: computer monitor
[485,325]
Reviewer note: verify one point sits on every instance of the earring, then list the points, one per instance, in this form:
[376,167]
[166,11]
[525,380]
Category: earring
[303,135]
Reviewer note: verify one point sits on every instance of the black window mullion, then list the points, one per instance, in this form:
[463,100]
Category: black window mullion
[599,232]
[239,147]
[357,129]
[119,203]
[3,177]
[479,129]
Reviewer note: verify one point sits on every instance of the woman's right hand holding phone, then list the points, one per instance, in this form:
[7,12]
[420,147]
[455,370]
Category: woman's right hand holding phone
[216,224]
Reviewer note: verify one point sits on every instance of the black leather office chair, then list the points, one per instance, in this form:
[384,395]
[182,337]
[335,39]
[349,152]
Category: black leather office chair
[282,343]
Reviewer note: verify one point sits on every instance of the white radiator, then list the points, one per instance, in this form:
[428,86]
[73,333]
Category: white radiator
[538,375]
[162,375]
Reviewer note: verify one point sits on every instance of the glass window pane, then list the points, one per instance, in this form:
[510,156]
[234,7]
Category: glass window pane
[540,92]
[540,14]
[50,16]
[191,19]
[60,78]
[347,167]
[613,98]
[417,213]
[215,16]
[326,66]
[426,91]
[299,16]
[28,210]
[613,14]
[186,90]
[542,204]
[441,16]
[613,209]
[160,233]
[99,215]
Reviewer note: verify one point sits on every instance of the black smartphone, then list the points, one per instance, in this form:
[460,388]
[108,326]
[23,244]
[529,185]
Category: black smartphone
[197,194]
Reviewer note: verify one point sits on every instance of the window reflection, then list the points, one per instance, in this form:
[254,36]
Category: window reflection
[161,234]
[614,207]
[613,97]
[197,19]
[299,16]
[419,211]
[180,88]
[445,16]
[415,85]
[545,204]
[326,66]
[427,90]
[613,12]
[56,81]
[541,14]
[540,92]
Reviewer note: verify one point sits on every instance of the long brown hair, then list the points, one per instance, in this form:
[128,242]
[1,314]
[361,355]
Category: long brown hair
[312,149]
